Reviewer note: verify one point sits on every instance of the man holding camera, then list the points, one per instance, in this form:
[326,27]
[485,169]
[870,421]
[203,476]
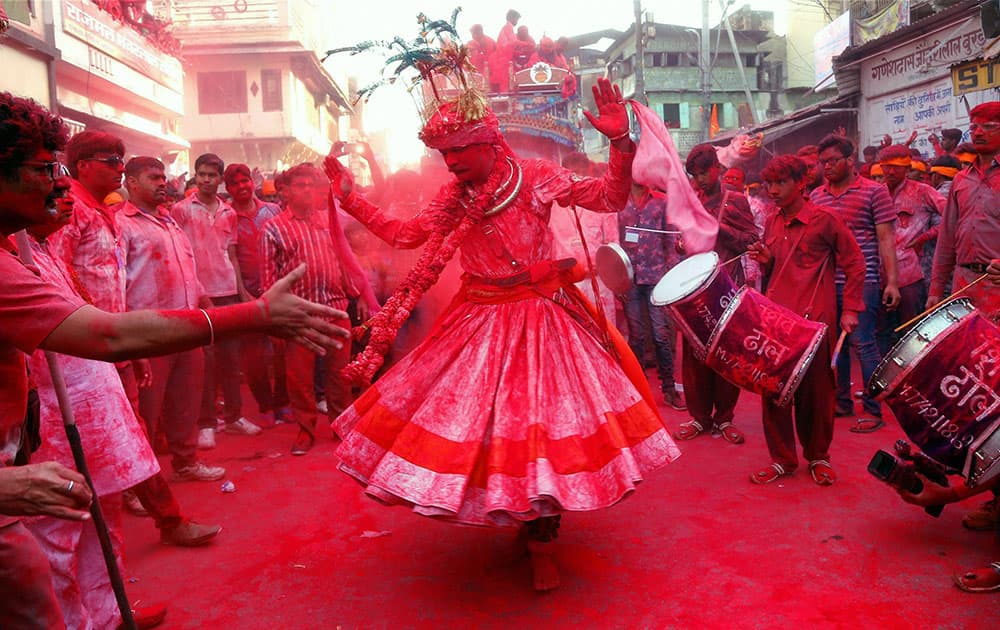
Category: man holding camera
[985,579]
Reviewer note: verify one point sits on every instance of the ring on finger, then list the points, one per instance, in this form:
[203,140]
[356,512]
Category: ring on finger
[69,486]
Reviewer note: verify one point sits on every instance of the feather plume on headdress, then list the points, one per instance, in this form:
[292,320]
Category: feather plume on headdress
[438,62]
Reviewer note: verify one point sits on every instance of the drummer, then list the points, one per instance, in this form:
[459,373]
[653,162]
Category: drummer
[803,245]
[705,389]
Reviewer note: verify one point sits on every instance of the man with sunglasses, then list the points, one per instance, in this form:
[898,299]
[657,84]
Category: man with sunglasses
[969,239]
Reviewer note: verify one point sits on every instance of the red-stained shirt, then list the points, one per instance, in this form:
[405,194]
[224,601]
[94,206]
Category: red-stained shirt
[30,309]
[286,241]
[862,206]
[89,245]
[970,226]
[736,227]
[118,453]
[806,250]
[916,203]
[248,243]
[211,235]
[160,263]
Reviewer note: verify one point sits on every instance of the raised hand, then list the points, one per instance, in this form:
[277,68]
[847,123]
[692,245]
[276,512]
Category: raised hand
[341,180]
[612,117]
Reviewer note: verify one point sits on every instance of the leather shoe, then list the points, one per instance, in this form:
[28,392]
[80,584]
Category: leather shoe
[189,534]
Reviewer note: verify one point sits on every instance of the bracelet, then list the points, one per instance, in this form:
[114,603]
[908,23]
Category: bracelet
[627,131]
[211,328]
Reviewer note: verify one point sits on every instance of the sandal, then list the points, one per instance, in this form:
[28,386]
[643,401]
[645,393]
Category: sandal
[769,475]
[822,472]
[867,425]
[730,433]
[689,430]
[984,580]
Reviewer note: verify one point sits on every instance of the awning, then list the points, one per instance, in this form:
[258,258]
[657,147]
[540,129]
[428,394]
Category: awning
[778,127]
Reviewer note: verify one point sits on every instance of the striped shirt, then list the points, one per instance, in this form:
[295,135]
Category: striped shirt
[862,206]
[286,241]
[211,235]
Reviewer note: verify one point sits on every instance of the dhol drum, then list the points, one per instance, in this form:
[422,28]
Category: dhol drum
[613,268]
[696,290]
[942,381]
[763,347]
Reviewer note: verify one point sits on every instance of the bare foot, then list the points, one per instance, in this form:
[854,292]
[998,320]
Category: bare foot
[546,573]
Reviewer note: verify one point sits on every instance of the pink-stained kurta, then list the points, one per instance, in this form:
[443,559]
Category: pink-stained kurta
[509,411]
[118,453]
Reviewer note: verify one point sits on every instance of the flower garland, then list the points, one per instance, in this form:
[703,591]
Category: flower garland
[448,233]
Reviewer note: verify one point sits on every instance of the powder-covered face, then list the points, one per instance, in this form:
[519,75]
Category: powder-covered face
[470,164]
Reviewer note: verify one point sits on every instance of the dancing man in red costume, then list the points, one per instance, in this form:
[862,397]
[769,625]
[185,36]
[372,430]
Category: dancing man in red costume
[516,408]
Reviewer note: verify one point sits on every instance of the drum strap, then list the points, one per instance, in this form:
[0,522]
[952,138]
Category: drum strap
[784,264]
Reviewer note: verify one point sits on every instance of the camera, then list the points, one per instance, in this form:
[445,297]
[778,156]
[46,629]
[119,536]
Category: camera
[900,471]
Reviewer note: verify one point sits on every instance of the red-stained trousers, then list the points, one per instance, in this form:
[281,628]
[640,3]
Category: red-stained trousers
[300,366]
[711,399]
[154,493]
[812,410]
[26,597]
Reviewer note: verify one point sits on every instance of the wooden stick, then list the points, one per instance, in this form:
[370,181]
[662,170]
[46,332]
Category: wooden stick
[734,259]
[837,348]
[941,303]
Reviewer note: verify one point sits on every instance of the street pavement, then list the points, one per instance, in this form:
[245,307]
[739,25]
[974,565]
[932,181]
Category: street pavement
[697,546]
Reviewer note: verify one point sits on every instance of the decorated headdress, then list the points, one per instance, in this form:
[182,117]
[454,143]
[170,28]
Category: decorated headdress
[453,106]
[455,114]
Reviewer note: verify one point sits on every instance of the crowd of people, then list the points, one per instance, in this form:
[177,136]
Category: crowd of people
[514,49]
[270,275]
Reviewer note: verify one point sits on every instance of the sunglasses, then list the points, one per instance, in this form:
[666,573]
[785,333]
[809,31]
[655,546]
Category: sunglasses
[114,160]
[54,170]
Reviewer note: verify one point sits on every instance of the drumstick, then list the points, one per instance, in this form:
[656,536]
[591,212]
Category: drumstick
[945,300]
[837,348]
[734,258]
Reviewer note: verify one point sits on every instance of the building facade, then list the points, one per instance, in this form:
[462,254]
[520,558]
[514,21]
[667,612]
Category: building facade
[254,88]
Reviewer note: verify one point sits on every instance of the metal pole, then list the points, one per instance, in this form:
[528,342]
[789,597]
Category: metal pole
[739,64]
[640,55]
[706,76]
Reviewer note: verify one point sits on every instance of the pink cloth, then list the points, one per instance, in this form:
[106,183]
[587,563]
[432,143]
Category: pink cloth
[90,246]
[118,453]
[211,235]
[658,166]
[161,262]
[79,574]
[509,411]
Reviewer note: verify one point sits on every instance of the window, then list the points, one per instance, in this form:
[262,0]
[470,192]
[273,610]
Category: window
[270,88]
[222,92]
[672,115]
[751,60]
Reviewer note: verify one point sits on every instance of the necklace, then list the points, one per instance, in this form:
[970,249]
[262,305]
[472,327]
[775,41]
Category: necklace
[514,168]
